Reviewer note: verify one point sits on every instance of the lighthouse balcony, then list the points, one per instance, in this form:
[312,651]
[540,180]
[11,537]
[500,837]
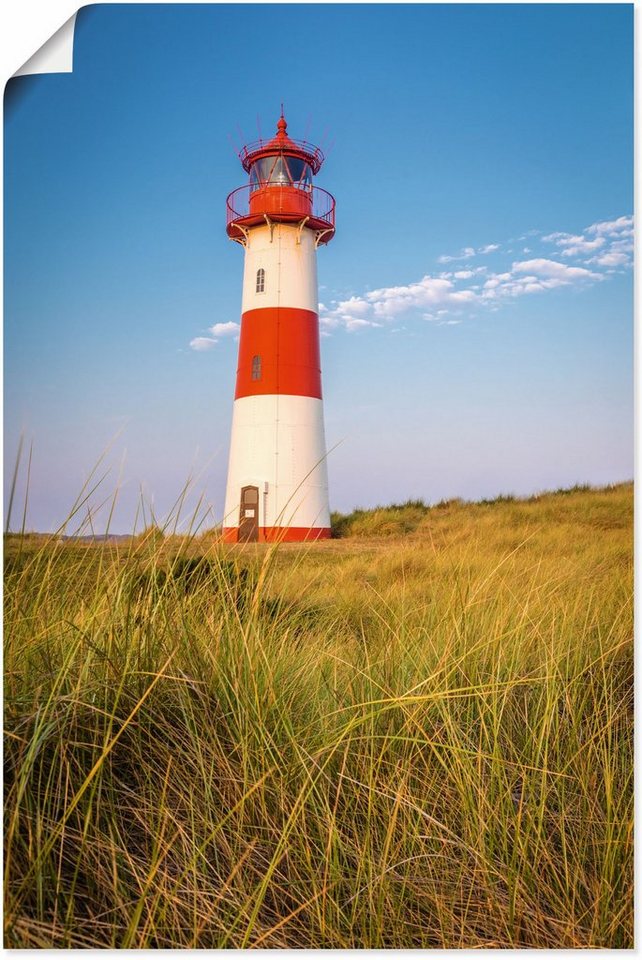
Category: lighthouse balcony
[249,206]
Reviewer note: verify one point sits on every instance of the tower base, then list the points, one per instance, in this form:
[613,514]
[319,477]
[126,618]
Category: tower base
[279,534]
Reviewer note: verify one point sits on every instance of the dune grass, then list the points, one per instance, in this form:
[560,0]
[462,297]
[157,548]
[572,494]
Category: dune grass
[415,740]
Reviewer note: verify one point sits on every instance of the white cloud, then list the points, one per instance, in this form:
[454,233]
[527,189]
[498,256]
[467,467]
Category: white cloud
[623,226]
[496,280]
[441,318]
[610,242]
[552,268]
[464,254]
[518,286]
[358,323]
[229,329]
[329,320]
[355,305]
[448,296]
[619,250]
[533,276]
[462,296]
[611,259]
[575,246]
[466,274]
[612,238]
[202,343]
[390,301]
[376,307]
[467,252]
[619,254]
[626,246]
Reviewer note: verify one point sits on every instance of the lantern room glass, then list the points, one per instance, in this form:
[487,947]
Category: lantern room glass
[280,171]
[300,173]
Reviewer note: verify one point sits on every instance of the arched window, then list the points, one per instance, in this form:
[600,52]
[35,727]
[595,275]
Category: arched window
[260,280]
[256,367]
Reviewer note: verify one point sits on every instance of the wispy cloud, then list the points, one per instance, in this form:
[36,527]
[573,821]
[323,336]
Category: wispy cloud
[447,297]
[464,254]
[358,323]
[551,268]
[217,331]
[200,344]
[606,241]
[462,274]
[623,226]
[349,314]
[467,252]
[534,276]
[376,307]
[229,329]
[574,246]
[612,258]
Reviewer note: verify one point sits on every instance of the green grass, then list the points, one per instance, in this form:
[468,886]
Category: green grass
[419,735]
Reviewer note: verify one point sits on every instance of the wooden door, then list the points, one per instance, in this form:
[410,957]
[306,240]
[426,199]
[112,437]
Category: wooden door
[249,515]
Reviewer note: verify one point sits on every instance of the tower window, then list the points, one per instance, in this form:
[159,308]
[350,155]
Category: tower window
[256,367]
[260,280]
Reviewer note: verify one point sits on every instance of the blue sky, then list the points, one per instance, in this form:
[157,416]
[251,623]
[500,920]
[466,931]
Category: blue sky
[477,298]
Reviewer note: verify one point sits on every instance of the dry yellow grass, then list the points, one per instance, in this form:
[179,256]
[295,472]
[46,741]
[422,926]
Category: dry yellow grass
[379,741]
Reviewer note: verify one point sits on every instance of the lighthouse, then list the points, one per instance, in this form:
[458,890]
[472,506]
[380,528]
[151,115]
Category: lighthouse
[277,483]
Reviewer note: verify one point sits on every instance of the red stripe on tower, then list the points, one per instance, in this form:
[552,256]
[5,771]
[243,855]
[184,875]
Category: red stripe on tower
[279,353]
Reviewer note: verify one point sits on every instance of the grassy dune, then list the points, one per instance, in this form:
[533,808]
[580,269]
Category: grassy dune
[417,735]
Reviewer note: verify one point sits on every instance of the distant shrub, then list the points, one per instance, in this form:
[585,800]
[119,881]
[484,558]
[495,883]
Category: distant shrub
[499,499]
[453,502]
[401,519]
[395,520]
[576,488]
[339,524]
[152,536]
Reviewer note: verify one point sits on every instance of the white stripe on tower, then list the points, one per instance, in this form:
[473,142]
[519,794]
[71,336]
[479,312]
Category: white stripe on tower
[290,268]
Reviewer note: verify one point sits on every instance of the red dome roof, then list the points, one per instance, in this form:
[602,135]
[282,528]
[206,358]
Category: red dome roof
[281,143]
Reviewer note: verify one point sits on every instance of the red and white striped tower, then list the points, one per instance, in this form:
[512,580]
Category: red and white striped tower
[277,486]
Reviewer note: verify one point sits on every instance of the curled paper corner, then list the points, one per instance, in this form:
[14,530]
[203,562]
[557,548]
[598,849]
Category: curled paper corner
[54,56]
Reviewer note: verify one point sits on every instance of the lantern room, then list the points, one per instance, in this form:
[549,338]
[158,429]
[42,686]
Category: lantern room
[280,188]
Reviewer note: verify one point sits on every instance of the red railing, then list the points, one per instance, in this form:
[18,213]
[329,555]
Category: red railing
[301,145]
[278,204]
